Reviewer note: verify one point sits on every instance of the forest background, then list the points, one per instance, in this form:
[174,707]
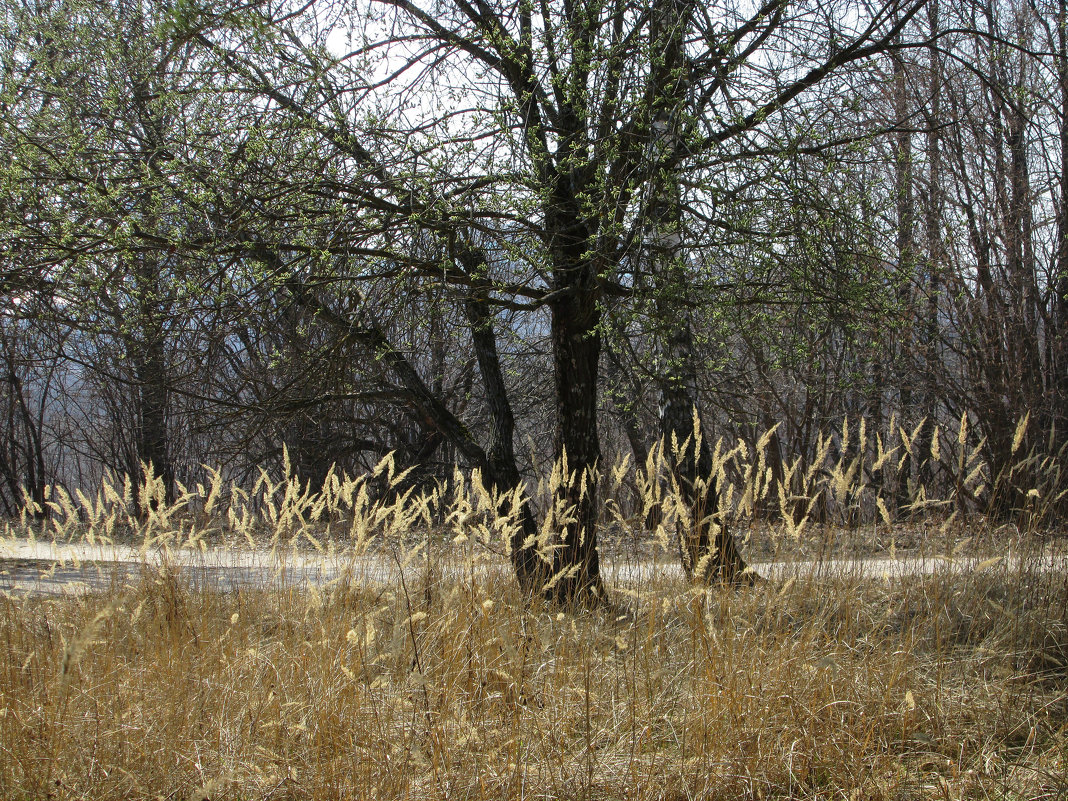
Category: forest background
[296,237]
[340,340]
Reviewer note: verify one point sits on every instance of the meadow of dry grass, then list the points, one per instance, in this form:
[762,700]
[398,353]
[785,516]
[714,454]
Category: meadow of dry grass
[448,684]
[940,686]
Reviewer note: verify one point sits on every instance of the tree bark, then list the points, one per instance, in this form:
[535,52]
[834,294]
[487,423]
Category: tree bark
[933,216]
[1060,414]
[906,266]
[530,570]
[576,346]
[149,359]
[707,548]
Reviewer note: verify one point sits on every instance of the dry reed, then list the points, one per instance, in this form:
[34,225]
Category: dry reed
[447,684]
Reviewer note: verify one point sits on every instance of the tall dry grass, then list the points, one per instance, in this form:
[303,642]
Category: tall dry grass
[941,686]
[444,683]
[879,484]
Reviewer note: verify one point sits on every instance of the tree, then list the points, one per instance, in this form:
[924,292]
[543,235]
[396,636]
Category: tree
[707,547]
[103,104]
[229,181]
[541,162]
[1000,277]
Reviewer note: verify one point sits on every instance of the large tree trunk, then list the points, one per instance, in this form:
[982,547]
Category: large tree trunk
[150,372]
[576,345]
[707,548]
[933,216]
[503,472]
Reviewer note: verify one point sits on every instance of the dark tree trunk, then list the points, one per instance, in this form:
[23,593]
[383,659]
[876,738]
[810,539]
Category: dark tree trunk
[707,548]
[1021,265]
[933,216]
[150,372]
[576,346]
[152,445]
[1060,404]
[906,254]
[503,472]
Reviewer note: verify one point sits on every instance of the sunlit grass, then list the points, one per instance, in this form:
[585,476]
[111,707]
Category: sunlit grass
[880,484]
[441,681]
[935,686]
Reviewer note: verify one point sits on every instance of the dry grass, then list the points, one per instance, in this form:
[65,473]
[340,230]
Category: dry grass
[449,685]
[943,686]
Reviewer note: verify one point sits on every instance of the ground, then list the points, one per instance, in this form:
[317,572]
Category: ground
[845,683]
